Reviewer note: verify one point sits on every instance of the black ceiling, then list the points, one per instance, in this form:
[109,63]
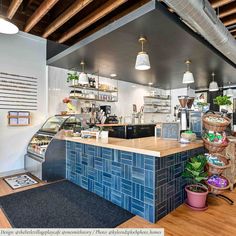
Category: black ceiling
[114,49]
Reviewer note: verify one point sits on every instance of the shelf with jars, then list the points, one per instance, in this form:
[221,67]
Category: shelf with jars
[94,89]
[157,104]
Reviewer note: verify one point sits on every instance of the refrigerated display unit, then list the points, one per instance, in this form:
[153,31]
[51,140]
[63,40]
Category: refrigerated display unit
[46,156]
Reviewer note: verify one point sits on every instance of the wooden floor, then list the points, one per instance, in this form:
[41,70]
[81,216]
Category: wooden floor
[219,219]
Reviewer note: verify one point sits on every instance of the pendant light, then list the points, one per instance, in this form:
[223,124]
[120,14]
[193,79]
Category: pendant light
[229,91]
[213,85]
[6,27]
[188,76]
[83,77]
[142,60]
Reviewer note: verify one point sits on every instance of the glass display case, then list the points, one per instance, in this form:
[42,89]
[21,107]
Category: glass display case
[53,124]
[45,156]
[38,144]
[41,140]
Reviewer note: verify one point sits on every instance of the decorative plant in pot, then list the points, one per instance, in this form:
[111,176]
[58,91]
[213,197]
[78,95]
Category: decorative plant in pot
[195,173]
[72,78]
[223,102]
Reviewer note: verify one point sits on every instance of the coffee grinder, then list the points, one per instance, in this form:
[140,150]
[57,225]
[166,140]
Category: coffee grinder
[186,103]
[183,112]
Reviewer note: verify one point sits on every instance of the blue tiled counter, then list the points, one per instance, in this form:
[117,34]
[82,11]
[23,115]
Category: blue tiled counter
[147,186]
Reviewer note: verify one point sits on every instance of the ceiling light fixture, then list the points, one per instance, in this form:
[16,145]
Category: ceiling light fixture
[83,77]
[150,83]
[142,59]
[188,76]
[113,75]
[6,27]
[213,85]
[229,91]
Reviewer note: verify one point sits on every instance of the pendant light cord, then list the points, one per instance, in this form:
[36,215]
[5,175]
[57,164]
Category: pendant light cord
[213,76]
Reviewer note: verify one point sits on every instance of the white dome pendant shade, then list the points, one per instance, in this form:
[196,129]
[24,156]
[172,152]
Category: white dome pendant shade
[188,76]
[6,27]
[142,59]
[83,77]
[213,85]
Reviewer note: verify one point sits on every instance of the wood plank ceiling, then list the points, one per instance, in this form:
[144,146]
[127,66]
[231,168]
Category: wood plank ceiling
[67,22]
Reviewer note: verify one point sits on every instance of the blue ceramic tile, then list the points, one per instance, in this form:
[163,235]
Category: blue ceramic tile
[149,179]
[98,163]
[126,202]
[107,153]
[107,192]
[126,157]
[149,213]
[106,165]
[116,182]
[116,156]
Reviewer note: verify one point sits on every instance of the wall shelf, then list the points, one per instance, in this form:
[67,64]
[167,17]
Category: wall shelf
[100,92]
[159,104]
[159,97]
[92,99]
[93,89]
[158,112]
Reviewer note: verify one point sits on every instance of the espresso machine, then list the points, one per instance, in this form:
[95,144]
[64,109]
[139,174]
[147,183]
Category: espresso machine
[186,103]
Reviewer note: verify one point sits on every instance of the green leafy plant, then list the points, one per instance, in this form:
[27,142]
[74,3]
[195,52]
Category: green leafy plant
[72,76]
[222,100]
[195,172]
[202,104]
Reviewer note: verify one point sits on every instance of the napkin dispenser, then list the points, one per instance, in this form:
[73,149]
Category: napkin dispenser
[168,130]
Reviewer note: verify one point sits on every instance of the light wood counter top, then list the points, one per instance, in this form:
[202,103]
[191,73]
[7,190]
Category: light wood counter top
[149,146]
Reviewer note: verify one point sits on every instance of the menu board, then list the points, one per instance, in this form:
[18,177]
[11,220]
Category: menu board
[168,130]
[18,118]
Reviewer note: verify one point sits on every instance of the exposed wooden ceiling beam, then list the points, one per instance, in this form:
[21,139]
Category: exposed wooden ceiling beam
[13,8]
[91,18]
[114,18]
[232,31]
[220,3]
[230,21]
[39,14]
[228,10]
[65,16]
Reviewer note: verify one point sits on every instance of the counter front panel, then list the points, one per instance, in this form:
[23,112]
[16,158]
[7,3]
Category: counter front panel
[145,185]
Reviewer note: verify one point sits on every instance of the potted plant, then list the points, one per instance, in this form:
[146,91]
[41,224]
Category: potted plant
[196,174]
[72,78]
[223,102]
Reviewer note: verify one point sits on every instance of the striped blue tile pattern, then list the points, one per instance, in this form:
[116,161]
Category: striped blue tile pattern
[144,185]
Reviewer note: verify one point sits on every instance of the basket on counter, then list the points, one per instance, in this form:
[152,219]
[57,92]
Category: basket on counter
[215,126]
[215,169]
[214,147]
[217,190]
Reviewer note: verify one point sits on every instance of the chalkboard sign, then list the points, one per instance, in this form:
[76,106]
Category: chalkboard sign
[168,130]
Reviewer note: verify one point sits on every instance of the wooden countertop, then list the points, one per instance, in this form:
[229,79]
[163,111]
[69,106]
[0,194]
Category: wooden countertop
[149,146]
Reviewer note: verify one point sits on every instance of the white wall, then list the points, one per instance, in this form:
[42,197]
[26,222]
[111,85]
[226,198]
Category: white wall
[21,54]
[129,94]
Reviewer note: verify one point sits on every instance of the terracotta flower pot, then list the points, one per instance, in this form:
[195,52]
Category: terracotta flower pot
[196,199]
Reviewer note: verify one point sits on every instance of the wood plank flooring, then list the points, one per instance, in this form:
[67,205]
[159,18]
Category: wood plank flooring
[219,219]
